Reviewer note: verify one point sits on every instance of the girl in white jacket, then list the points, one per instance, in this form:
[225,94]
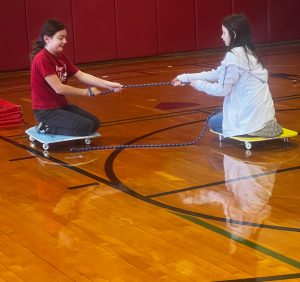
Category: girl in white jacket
[248,106]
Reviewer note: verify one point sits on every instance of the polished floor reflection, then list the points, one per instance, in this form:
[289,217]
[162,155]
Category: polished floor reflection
[207,212]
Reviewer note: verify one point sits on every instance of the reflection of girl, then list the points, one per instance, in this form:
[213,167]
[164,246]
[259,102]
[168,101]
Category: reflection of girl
[252,192]
[248,107]
[246,197]
[50,71]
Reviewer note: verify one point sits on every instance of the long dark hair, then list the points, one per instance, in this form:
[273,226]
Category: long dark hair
[49,28]
[240,34]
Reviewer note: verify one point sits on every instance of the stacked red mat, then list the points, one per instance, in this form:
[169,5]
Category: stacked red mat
[10,114]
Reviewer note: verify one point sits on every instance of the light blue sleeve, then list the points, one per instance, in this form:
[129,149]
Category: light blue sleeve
[228,77]
[211,76]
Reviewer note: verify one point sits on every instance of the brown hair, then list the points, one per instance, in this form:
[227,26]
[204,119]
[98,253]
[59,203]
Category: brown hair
[49,28]
[240,34]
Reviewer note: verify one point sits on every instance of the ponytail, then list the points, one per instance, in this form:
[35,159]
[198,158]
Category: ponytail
[49,28]
[37,46]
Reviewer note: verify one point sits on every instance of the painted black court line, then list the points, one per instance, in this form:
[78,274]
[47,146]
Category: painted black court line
[164,115]
[57,161]
[144,119]
[21,159]
[115,183]
[83,186]
[287,110]
[109,170]
[267,278]
[222,182]
[205,110]
[288,76]
[240,240]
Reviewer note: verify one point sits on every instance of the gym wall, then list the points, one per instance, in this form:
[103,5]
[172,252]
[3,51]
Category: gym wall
[100,30]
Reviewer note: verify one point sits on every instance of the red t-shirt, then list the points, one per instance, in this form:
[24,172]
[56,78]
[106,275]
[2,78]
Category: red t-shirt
[42,94]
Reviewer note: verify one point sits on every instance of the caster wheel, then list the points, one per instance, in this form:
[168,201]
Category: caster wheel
[248,153]
[46,154]
[32,144]
[45,146]
[248,146]
[87,141]
[31,139]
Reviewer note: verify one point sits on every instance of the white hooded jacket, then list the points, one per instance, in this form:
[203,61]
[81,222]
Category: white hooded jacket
[248,104]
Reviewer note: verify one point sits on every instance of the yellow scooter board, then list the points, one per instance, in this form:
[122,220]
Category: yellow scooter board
[248,140]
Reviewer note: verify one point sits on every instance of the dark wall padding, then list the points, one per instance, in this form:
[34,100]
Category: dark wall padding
[257,12]
[176,25]
[136,28]
[38,11]
[101,30]
[13,31]
[284,20]
[95,35]
[209,15]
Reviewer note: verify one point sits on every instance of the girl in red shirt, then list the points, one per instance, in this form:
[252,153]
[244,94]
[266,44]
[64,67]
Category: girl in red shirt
[50,71]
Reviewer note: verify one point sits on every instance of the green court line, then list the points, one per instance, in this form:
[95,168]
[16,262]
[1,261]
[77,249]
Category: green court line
[241,240]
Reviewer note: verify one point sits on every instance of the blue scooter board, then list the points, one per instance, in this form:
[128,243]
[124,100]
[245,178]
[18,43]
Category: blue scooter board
[47,139]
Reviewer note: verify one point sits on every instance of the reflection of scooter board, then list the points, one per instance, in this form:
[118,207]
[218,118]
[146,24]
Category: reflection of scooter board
[248,140]
[47,139]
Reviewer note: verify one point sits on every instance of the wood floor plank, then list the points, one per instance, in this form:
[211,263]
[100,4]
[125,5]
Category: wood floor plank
[207,212]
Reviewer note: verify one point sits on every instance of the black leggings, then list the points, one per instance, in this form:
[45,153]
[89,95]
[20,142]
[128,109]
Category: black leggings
[70,120]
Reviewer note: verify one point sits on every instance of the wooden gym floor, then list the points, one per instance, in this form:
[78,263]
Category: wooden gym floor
[207,212]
